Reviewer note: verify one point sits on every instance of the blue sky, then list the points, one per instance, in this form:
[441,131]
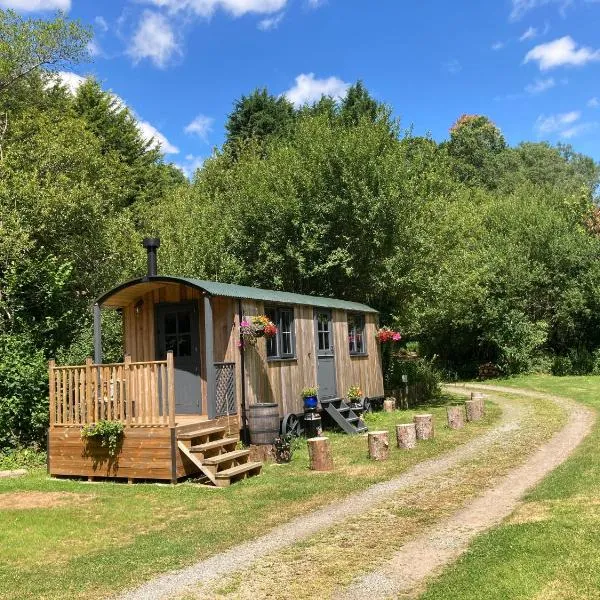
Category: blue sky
[532,66]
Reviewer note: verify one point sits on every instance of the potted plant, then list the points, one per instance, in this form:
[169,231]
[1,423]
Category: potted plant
[254,327]
[310,397]
[109,433]
[284,448]
[385,335]
[354,395]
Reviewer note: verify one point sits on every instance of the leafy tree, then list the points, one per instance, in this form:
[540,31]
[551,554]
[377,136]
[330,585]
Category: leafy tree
[358,104]
[258,116]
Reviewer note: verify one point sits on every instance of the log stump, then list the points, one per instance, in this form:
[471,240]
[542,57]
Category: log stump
[424,426]
[406,436]
[389,405]
[456,417]
[319,454]
[379,445]
[474,409]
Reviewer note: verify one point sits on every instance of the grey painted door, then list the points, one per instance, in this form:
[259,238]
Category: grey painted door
[177,330]
[325,354]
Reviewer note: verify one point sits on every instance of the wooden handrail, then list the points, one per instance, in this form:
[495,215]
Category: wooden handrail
[135,393]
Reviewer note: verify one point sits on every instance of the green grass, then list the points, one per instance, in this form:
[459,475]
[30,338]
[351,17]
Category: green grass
[551,548]
[99,538]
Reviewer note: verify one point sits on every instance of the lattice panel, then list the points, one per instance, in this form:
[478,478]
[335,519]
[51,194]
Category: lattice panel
[225,389]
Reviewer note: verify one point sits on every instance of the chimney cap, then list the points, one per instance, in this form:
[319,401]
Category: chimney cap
[150,242]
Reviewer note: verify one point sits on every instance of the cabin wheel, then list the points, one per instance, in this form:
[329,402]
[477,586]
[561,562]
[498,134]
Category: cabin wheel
[292,424]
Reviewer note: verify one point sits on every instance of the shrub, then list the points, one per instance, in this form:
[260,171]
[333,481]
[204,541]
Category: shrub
[421,372]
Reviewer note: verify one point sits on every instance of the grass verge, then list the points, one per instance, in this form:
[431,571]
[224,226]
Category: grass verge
[550,548]
[103,537]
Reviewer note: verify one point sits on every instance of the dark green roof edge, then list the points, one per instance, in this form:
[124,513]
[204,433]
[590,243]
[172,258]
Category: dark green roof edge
[229,290]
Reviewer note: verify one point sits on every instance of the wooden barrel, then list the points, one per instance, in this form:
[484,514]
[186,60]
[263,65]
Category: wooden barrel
[263,422]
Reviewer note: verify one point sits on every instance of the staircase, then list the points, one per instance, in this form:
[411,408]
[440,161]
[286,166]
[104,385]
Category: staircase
[215,454]
[346,418]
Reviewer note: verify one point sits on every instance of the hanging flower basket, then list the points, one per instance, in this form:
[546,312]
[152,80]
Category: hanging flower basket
[255,327]
[386,335]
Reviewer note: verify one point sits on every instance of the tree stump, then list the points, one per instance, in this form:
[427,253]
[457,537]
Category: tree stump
[406,436]
[474,409]
[456,417]
[479,397]
[319,454]
[379,445]
[424,426]
[389,405]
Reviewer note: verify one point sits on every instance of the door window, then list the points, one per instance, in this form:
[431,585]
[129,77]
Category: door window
[178,334]
[323,331]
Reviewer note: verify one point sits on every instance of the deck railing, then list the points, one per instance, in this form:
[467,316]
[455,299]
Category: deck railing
[135,393]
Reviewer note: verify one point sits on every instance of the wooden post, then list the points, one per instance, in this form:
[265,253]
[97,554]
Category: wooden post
[52,384]
[389,405]
[406,436]
[456,417]
[211,394]
[379,445]
[474,410]
[97,334]
[319,454]
[171,393]
[424,426]
[128,390]
[89,391]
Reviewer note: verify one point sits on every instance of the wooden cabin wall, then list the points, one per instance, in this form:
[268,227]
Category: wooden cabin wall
[364,371]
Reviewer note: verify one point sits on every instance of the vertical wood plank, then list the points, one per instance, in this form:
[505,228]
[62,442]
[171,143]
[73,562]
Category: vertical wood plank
[89,391]
[151,374]
[165,405]
[171,393]
[52,387]
[76,396]
[128,390]
[65,408]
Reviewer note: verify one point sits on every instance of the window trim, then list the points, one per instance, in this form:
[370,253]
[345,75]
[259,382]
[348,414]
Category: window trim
[279,311]
[364,351]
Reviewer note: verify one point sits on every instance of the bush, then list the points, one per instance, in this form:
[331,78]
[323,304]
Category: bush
[421,372]
[22,458]
[23,393]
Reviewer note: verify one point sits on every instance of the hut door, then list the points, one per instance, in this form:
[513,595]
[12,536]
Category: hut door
[177,330]
[325,354]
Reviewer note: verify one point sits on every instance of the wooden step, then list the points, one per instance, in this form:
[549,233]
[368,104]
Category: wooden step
[190,435]
[227,456]
[215,444]
[223,478]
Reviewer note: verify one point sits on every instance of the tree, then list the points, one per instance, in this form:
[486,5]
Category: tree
[358,104]
[259,116]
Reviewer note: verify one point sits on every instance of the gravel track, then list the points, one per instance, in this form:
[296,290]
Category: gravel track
[405,574]
[244,555]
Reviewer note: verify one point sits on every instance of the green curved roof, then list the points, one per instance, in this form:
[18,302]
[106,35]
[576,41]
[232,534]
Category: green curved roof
[229,290]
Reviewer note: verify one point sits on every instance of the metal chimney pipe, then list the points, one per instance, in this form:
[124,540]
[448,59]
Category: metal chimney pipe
[152,245]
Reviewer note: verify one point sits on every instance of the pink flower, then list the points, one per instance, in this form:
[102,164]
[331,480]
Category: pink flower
[396,337]
[244,324]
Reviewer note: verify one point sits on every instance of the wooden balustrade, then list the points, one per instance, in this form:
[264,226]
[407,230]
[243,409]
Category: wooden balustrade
[135,393]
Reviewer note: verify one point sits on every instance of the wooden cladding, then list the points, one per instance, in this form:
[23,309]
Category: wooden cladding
[135,393]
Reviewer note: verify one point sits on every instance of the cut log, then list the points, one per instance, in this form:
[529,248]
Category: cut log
[424,426]
[474,409]
[406,436]
[379,445]
[479,397]
[456,417]
[319,454]
[389,405]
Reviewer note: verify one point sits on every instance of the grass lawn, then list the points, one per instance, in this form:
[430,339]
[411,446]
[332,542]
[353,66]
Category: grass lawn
[71,539]
[550,548]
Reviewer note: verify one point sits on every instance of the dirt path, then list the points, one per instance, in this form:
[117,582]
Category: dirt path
[424,556]
[243,556]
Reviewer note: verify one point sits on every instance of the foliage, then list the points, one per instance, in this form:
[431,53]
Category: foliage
[22,458]
[421,372]
[309,392]
[110,434]
[354,393]
[254,327]
[285,446]
[385,334]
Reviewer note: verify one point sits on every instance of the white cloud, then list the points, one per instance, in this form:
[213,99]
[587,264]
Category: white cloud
[316,3]
[307,89]
[206,8]
[191,164]
[498,45]
[271,22]
[593,103]
[453,67]
[101,23]
[521,7]
[540,85]
[72,81]
[555,123]
[529,34]
[200,126]
[149,132]
[561,52]
[36,5]
[580,129]
[94,48]
[154,40]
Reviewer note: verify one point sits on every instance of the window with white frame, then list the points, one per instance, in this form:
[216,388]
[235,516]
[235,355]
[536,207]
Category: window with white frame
[356,333]
[282,345]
